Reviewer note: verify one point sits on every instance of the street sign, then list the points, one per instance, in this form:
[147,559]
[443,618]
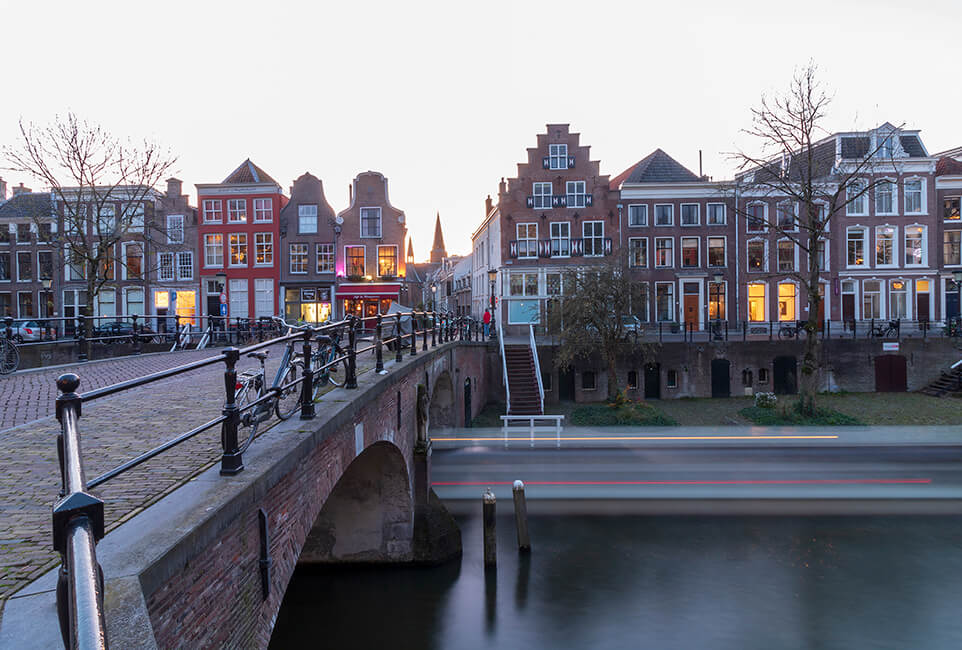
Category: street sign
[223,298]
[223,309]
[890,346]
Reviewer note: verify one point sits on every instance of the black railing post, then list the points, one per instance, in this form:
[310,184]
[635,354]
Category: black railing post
[424,337]
[434,329]
[351,380]
[659,331]
[378,346]
[771,330]
[231,461]
[81,339]
[307,385]
[137,348]
[398,339]
[450,325]
[744,331]
[414,332]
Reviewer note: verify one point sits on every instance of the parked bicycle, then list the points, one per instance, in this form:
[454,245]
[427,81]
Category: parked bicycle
[328,362]
[953,327]
[9,356]
[882,331]
[789,330]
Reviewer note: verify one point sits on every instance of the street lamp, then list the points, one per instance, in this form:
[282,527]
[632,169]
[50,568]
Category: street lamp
[46,281]
[492,278]
[714,295]
[434,292]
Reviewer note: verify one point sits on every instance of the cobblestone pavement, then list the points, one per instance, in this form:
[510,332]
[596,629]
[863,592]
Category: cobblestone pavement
[113,429]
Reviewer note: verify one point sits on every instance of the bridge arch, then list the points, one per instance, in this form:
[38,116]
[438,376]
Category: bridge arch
[443,414]
[369,514]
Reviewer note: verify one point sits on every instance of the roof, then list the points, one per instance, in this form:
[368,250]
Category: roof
[912,146]
[248,172]
[948,167]
[657,167]
[32,205]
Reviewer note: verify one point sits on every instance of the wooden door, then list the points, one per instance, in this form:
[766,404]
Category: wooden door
[922,307]
[691,311]
[848,307]
[891,374]
[721,378]
[652,381]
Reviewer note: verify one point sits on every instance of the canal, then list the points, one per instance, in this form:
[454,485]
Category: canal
[608,582]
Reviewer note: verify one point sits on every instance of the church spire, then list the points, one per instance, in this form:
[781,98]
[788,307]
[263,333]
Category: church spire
[438,251]
[410,251]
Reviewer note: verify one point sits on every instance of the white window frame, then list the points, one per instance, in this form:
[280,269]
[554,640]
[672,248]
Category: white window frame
[209,248]
[856,207]
[585,236]
[924,237]
[174,229]
[126,296]
[778,266]
[530,250]
[895,246]
[724,240]
[671,215]
[671,302]
[53,265]
[922,194]
[134,215]
[765,298]
[124,275]
[259,291]
[644,263]
[17,263]
[182,265]
[671,249]
[236,210]
[213,207]
[944,260]
[166,266]
[576,199]
[882,291]
[826,249]
[793,210]
[263,210]
[230,250]
[566,238]
[795,299]
[305,258]
[267,244]
[764,243]
[681,213]
[640,210]
[708,214]
[681,251]
[304,212]
[748,217]
[864,238]
[542,200]
[325,253]
[364,216]
[894,199]
[239,308]
[557,152]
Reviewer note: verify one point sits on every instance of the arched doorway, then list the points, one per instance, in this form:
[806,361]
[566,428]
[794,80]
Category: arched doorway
[652,381]
[441,413]
[785,379]
[721,378]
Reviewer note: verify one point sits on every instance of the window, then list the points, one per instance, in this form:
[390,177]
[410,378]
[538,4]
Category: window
[821,257]
[639,301]
[527,239]
[897,300]
[23,233]
[786,255]
[637,215]
[885,246]
[307,219]
[856,247]
[135,301]
[689,214]
[542,196]
[915,246]
[263,248]
[185,265]
[756,303]
[133,261]
[638,252]
[716,300]
[786,215]
[560,239]
[325,258]
[871,299]
[76,265]
[856,203]
[594,238]
[671,379]
[950,209]
[763,375]
[588,380]
[664,215]
[716,214]
[557,156]
[298,258]
[6,307]
[950,247]
[238,249]
[553,281]
[632,380]
[134,215]
[664,301]
[5,235]
[46,232]
[106,268]
[689,252]
[786,301]
[25,303]
[883,197]
[387,261]
[355,260]
[213,212]
[175,229]
[165,267]
[575,194]
[756,217]
[664,255]
[523,284]
[913,196]
[370,222]
[237,210]
[213,251]
[716,251]
[756,256]
[263,211]
[45,264]
[106,219]
[238,299]
[24,267]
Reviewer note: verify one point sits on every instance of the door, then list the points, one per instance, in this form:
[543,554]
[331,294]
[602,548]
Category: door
[653,381]
[785,379]
[566,384]
[821,307]
[691,305]
[467,402]
[952,304]
[720,378]
[922,306]
[891,374]
[848,307]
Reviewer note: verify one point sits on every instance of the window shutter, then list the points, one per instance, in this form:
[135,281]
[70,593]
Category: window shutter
[589,200]
[571,162]
[545,162]
[543,248]
[576,247]
[607,245]
[513,249]
[564,200]
[530,201]
[555,201]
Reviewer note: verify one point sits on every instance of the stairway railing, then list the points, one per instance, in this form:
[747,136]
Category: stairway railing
[504,369]
[537,365]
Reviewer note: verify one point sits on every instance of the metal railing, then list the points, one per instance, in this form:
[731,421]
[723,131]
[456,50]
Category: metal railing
[537,364]
[78,517]
[504,372]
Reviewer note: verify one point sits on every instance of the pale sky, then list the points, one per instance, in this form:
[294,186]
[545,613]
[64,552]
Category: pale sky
[444,97]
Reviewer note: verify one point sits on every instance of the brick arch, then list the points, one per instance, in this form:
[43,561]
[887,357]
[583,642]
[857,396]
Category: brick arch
[369,514]
[442,409]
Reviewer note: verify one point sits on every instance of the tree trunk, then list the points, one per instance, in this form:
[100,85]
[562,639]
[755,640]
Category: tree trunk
[808,384]
[612,376]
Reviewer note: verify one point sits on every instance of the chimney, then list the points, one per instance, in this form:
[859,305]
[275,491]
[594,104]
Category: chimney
[350,193]
[3,190]
[174,187]
[502,187]
[488,204]
[20,189]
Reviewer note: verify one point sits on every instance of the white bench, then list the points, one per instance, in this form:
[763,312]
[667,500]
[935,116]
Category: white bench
[530,419]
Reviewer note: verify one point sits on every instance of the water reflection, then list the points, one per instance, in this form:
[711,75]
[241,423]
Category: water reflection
[636,582]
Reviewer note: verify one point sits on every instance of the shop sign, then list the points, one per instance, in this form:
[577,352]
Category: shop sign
[324,294]
[308,295]
[890,346]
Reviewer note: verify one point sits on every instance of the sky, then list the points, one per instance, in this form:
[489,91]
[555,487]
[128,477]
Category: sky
[443,98]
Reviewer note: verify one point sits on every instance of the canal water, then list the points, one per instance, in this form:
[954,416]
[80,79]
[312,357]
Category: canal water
[620,582]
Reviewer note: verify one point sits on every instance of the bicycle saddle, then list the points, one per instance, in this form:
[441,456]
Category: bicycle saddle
[258,355]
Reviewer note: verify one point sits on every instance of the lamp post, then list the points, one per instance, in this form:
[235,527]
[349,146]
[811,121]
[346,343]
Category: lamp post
[492,278]
[714,295]
[46,281]
[434,293]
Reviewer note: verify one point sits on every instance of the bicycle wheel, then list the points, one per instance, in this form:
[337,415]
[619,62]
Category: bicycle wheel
[320,376]
[9,357]
[289,400]
[337,373]
[250,419]
[784,333]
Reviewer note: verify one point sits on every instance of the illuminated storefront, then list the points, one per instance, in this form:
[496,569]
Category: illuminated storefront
[367,299]
[184,304]
[308,304]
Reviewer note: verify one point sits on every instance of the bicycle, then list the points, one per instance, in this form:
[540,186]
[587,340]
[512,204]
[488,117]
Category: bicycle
[9,356]
[328,362]
[882,331]
[251,386]
[790,330]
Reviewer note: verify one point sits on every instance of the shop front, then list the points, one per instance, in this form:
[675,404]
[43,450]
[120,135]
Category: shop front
[308,304]
[366,298]
[169,303]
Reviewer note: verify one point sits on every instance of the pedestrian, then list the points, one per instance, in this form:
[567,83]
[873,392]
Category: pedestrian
[487,322]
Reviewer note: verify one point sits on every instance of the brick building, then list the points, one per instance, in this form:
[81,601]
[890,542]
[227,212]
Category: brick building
[172,271]
[948,189]
[28,256]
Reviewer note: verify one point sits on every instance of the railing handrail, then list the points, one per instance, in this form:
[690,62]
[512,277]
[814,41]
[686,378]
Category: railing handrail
[504,370]
[537,365]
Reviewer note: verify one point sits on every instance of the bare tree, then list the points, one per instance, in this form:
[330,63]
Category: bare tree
[592,317]
[798,164]
[101,188]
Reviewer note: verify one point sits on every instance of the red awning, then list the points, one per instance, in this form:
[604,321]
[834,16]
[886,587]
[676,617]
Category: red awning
[368,290]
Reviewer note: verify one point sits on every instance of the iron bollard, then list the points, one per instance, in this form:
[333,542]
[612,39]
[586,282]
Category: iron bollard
[231,461]
[82,341]
[424,336]
[489,504]
[137,348]
[398,339]
[307,385]
[414,332]
[378,347]
[521,516]
[351,381]
[434,329]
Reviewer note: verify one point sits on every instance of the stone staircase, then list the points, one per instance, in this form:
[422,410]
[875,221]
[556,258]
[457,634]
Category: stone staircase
[947,384]
[522,382]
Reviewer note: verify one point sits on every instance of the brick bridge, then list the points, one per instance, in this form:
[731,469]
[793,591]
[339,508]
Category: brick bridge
[351,485]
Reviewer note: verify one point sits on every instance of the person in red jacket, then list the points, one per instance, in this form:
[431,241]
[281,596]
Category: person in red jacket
[487,322]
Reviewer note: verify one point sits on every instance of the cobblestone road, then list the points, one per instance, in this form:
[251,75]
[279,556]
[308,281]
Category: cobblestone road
[114,429]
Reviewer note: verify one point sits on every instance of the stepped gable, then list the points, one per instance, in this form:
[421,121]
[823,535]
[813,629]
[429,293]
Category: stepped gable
[532,167]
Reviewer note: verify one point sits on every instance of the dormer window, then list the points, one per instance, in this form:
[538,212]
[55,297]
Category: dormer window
[557,156]
[886,146]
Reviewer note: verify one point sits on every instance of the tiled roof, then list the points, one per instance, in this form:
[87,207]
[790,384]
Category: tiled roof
[657,167]
[248,172]
[823,159]
[855,146]
[33,205]
[912,146]
[947,167]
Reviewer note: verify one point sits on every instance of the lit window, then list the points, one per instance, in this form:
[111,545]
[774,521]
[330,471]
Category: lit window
[213,250]
[263,249]
[756,303]
[756,256]
[786,301]
[298,258]
[884,246]
[238,249]
[387,261]
[355,261]
[856,247]
[950,209]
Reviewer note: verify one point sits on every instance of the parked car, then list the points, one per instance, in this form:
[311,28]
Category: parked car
[120,328]
[631,324]
[25,331]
